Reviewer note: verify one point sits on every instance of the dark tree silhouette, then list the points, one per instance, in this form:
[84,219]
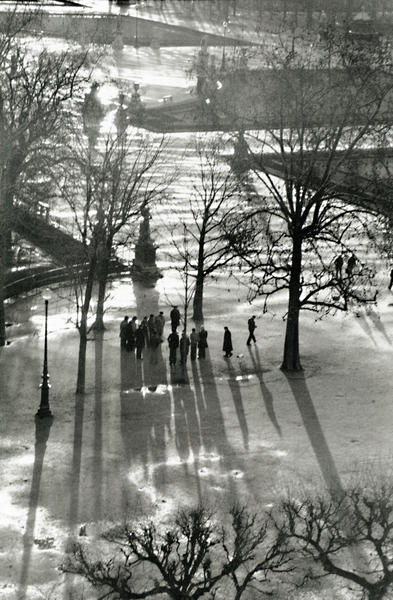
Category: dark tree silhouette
[35,89]
[349,536]
[328,104]
[187,560]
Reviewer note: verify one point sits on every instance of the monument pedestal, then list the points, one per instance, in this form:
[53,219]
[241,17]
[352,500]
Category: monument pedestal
[144,268]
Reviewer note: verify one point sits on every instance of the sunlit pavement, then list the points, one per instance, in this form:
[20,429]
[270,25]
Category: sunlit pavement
[146,438]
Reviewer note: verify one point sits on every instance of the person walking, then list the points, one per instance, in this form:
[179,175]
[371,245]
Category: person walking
[140,341]
[251,328]
[123,334]
[175,318]
[173,342]
[193,343]
[160,322]
[184,347]
[202,343]
[227,343]
[338,266]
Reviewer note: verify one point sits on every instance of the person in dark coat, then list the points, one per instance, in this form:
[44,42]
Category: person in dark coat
[130,336]
[173,341]
[184,347]
[251,329]
[151,326]
[351,265]
[145,329]
[391,280]
[338,265]
[140,342]
[175,318]
[122,334]
[194,343]
[202,343]
[160,323]
[227,344]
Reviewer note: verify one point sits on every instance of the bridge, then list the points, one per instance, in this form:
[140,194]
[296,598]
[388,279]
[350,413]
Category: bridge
[68,253]
[269,99]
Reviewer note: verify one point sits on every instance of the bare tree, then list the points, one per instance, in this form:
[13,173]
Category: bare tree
[326,530]
[106,190]
[214,201]
[35,89]
[187,560]
[325,110]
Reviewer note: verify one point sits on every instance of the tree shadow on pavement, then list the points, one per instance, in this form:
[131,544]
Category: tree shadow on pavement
[375,318]
[42,430]
[298,385]
[187,429]
[236,392]
[97,458]
[361,319]
[145,414]
[213,431]
[266,393]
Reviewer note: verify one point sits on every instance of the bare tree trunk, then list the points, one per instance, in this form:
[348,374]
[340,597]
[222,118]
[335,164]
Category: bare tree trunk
[102,281]
[2,291]
[3,258]
[198,296]
[80,384]
[291,359]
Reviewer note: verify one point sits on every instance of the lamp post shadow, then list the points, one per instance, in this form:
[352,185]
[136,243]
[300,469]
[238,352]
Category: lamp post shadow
[42,430]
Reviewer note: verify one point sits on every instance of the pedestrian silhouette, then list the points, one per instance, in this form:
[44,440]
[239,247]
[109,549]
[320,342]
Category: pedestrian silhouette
[184,347]
[123,333]
[140,341]
[194,338]
[338,265]
[175,318]
[391,280]
[227,343]
[351,265]
[173,342]
[202,343]
[251,328]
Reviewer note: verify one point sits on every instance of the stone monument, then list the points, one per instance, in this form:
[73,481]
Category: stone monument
[144,267]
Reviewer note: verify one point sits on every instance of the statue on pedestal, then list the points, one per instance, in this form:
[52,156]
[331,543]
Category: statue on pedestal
[144,266]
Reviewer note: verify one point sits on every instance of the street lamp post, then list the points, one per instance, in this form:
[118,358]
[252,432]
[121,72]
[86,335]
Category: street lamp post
[44,409]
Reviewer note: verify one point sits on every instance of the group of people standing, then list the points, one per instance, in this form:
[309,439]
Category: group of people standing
[196,342]
[149,333]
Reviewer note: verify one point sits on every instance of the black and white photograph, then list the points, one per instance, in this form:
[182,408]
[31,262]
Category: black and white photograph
[196,299]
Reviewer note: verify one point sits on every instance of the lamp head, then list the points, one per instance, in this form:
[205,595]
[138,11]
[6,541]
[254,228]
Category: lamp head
[47,294]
